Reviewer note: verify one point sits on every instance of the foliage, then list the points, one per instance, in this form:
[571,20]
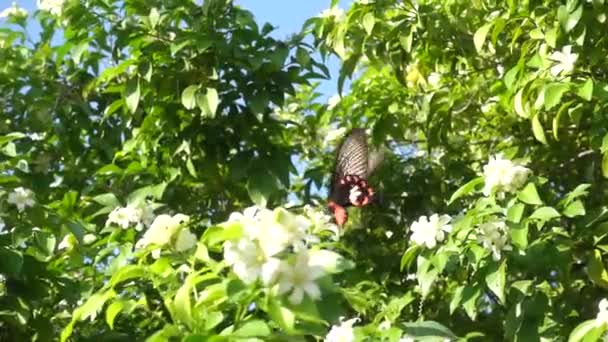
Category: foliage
[131,148]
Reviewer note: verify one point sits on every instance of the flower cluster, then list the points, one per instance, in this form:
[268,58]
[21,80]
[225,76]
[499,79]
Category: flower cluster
[273,248]
[168,230]
[131,216]
[320,221]
[55,7]
[334,12]
[494,237]
[429,231]
[343,332]
[502,175]
[13,11]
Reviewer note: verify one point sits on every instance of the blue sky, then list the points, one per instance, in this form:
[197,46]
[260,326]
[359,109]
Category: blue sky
[287,15]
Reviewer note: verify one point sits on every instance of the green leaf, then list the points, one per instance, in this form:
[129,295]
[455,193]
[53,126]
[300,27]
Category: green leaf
[426,329]
[604,147]
[426,281]
[515,212]
[78,50]
[536,33]
[538,130]
[368,22]
[551,37]
[406,41]
[575,208]
[284,317]
[519,236]
[545,214]
[253,328]
[152,192]
[213,319]
[182,307]
[557,119]
[518,104]
[189,96]
[496,278]
[587,331]
[208,103]
[108,200]
[126,273]
[11,261]
[595,269]
[480,36]
[569,20]
[456,299]
[586,90]
[469,300]
[4,139]
[523,286]
[409,256]
[465,189]
[178,46]
[112,311]
[218,234]
[605,165]
[261,185]
[554,93]
[529,195]
[153,17]
[88,309]
[132,93]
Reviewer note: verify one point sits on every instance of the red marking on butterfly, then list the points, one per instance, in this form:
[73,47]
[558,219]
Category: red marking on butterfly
[349,186]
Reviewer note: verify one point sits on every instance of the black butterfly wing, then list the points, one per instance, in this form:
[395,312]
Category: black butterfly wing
[351,159]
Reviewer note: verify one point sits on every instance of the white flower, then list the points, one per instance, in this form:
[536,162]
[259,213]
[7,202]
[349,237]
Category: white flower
[161,230]
[333,101]
[21,198]
[321,221]
[250,219]
[565,60]
[147,215]
[334,12]
[500,69]
[296,228]
[385,325]
[124,217]
[434,79]
[429,231]
[299,279]
[343,332]
[502,175]
[406,338]
[249,262]
[602,315]
[67,242]
[185,240]
[13,11]
[89,239]
[493,236]
[53,6]
[330,135]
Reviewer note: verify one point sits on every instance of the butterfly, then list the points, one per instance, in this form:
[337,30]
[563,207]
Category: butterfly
[349,183]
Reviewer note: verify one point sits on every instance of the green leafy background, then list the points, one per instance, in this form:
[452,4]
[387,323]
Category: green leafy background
[199,110]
